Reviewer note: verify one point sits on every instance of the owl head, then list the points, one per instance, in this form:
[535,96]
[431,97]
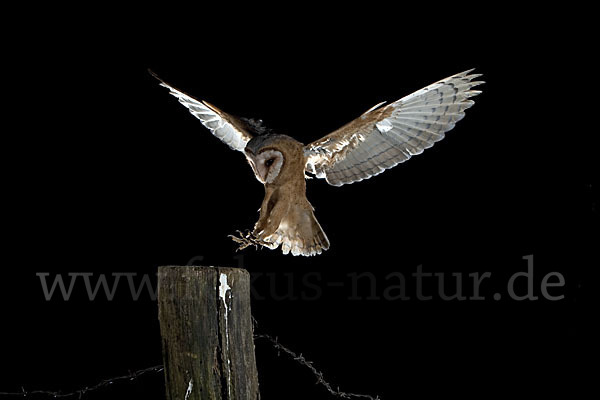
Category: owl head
[272,155]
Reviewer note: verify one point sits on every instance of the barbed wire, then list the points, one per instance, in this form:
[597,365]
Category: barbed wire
[309,364]
[159,368]
[79,393]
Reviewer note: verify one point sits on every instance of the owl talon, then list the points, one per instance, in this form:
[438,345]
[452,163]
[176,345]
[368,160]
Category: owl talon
[248,239]
[242,240]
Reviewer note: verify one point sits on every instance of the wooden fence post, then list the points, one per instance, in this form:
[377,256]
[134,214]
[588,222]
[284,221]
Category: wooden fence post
[207,337]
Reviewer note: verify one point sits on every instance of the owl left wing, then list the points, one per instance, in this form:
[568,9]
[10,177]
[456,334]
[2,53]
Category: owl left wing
[387,135]
[230,130]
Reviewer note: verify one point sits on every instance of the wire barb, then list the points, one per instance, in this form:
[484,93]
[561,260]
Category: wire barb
[309,364]
[79,393]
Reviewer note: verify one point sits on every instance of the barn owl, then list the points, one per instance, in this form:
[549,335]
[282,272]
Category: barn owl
[379,139]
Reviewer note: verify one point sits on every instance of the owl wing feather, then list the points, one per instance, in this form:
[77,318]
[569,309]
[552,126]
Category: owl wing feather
[387,135]
[230,130]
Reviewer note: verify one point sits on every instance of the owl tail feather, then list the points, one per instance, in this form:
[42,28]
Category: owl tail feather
[299,233]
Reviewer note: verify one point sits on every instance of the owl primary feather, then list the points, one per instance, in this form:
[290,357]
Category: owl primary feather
[379,139]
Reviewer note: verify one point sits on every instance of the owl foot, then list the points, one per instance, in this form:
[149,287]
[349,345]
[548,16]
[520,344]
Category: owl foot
[248,239]
[242,239]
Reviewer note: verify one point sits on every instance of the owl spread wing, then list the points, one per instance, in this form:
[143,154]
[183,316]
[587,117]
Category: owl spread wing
[387,135]
[224,126]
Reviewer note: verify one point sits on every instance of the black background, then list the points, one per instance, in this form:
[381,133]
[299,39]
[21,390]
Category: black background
[105,172]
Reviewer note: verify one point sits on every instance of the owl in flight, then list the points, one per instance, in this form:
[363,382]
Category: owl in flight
[379,139]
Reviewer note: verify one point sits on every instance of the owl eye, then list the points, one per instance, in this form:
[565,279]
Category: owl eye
[269,162]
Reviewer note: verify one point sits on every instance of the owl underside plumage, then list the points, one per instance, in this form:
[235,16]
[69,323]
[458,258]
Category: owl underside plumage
[379,139]
[286,220]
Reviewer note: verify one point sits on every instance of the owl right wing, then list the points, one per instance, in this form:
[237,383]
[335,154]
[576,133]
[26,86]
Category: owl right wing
[387,135]
[230,130]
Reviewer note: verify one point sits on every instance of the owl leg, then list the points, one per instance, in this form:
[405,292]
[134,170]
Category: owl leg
[263,219]
[272,211]
[267,225]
